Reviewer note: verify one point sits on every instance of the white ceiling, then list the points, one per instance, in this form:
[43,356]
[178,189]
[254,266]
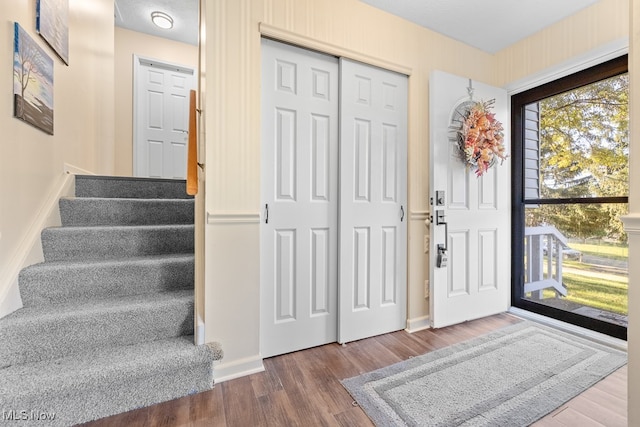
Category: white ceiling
[489,25]
[136,15]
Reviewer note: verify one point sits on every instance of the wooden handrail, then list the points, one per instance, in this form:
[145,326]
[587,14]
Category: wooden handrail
[192,149]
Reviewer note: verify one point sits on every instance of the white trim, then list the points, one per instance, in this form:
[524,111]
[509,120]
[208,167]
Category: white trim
[419,215]
[74,170]
[29,251]
[418,324]
[573,329]
[276,33]
[233,218]
[591,58]
[238,368]
[199,325]
[631,223]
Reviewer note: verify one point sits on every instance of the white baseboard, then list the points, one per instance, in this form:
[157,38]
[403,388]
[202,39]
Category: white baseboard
[237,368]
[74,170]
[418,324]
[572,329]
[29,251]
[11,300]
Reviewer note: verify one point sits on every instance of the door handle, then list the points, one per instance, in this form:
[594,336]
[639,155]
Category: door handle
[442,258]
[266,213]
[402,213]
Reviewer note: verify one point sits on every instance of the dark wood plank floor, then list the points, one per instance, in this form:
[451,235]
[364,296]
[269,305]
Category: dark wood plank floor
[303,388]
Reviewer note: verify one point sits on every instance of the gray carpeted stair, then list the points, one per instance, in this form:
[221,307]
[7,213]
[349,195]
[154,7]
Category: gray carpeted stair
[62,281]
[107,321]
[89,385]
[130,188]
[93,324]
[80,211]
[103,242]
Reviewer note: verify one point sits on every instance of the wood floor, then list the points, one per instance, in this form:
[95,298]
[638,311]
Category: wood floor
[303,388]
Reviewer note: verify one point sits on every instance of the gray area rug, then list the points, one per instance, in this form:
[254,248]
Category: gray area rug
[511,377]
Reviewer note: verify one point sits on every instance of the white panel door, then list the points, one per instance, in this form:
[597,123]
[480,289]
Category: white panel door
[161,118]
[476,279]
[300,195]
[373,183]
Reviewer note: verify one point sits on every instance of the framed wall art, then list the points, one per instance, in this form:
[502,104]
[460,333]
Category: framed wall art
[32,82]
[52,23]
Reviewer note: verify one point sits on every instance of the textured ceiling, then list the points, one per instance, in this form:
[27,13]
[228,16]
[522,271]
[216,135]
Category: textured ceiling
[489,25]
[136,15]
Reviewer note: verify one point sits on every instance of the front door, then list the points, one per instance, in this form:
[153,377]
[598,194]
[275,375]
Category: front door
[161,118]
[299,233]
[470,275]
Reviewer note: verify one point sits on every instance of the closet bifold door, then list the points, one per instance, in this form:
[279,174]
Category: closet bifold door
[373,201]
[299,172]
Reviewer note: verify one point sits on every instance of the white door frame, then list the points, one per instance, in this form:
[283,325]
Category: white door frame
[138,63]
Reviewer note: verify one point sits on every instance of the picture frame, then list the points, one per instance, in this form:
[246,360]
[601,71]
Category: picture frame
[52,23]
[32,82]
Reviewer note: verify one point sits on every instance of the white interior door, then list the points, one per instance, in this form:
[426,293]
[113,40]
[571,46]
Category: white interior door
[476,279]
[299,233]
[161,118]
[373,208]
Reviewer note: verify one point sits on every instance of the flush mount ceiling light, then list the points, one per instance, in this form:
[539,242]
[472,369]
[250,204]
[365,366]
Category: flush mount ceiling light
[162,20]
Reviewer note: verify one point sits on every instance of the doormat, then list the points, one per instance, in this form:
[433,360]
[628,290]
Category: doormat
[511,377]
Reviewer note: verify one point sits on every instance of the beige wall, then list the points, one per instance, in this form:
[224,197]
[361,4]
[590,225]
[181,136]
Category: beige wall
[601,24]
[127,44]
[232,118]
[32,162]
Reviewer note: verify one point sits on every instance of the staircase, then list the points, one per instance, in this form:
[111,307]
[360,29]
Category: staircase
[107,323]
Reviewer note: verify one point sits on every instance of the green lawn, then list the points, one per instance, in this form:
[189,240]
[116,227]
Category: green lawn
[603,250]
[588,287]
[606,295]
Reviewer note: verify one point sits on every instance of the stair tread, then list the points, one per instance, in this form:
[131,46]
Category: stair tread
[97,364]
[114,304]
[128,200]
[72,228]
[109,241]
[57,282]
[92,263]
[130,187]
[37,333]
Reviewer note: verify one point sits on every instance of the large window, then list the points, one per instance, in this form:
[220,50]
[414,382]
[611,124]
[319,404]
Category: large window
[570,181]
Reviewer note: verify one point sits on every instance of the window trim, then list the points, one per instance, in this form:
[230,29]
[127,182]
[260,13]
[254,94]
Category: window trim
[610,68]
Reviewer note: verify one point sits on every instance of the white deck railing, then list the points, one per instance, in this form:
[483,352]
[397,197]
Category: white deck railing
[543,244]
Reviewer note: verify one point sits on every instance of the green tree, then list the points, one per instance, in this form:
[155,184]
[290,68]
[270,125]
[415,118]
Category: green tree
[584,152]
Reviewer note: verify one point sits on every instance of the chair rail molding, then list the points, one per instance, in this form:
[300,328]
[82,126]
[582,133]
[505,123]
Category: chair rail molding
[631,223]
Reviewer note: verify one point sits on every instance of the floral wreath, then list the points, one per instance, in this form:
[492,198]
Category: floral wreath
[481,137]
